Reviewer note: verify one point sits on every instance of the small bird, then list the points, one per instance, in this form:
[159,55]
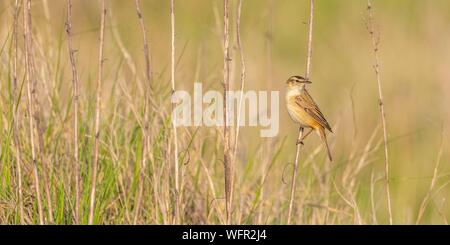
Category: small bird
[303,110]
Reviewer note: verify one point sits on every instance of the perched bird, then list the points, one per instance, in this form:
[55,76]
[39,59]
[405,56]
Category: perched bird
[303,110]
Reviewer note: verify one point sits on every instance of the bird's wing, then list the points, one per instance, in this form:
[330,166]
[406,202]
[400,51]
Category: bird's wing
[305,101]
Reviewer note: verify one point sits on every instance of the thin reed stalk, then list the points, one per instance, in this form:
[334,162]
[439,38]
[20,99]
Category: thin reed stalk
[75,95]
[97,115]
[15,119]
[174,126]
[294,178]
[30,94]
[145,136]
[227,155]
[375,44]
[243,75]
[300,133]
[372,199]
[310,37]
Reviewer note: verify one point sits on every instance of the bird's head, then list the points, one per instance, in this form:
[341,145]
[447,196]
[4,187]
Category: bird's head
[296,81]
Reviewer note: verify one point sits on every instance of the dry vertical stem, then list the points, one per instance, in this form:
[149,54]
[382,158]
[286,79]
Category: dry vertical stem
[300,133]
[97,115]
[30,95]
[375,43]
[145,137]
[372,199]
[310,36]
[227,161]
[75,111]
[15,109]
[241,55]
[243,74]
[294,178]
[175,134]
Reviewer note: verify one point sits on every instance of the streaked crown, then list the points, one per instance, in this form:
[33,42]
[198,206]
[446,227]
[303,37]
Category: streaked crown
[297,80]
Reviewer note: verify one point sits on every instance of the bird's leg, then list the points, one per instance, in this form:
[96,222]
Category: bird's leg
[308,133]
[300,136]
[303,137]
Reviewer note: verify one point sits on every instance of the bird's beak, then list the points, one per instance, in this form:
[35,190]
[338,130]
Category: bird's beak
[307,82]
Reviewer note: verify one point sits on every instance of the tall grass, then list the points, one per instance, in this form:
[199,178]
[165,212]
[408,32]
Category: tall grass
[375,44]
[75,95]
[97,114]
[14,101]
[49,76]
[145,132]
[31,91]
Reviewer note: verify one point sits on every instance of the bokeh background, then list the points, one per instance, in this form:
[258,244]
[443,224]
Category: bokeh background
[415,60]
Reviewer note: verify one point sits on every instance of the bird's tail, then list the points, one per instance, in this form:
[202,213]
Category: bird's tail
[323,136]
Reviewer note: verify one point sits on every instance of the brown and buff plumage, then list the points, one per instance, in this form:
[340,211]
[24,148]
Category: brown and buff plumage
[303,110]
